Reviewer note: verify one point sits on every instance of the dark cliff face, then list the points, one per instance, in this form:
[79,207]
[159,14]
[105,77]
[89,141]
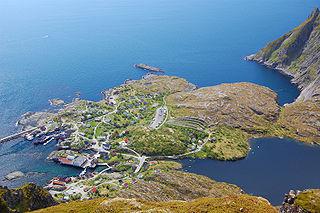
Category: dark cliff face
[297,54]
[28,197]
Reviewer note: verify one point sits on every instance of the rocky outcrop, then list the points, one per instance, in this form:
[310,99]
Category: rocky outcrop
[14,175]
[302,119]
[34,119]
[307,201]
[28,197]
[177,185]
[162,84]
[240,105]
[297,54]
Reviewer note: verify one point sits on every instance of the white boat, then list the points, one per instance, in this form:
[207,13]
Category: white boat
[29,137]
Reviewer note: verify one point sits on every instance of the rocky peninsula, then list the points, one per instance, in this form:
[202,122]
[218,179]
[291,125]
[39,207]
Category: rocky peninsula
[297,54]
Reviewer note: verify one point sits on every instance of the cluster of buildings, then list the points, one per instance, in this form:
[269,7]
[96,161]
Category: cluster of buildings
[58,183]
[71,159]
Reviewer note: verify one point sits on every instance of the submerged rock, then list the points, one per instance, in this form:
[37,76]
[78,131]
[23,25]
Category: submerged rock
[56,102]
[14,175]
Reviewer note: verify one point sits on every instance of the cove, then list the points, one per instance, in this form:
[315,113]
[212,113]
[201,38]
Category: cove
[272,168]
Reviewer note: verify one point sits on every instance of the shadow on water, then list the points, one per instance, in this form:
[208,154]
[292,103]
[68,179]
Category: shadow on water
[272,168]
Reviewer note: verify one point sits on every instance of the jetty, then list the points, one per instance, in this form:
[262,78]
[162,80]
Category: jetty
[17,135]
[148,68]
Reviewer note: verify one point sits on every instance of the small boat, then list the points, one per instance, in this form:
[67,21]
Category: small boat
[48,141]
[148,68]
[29,137]
[42,140]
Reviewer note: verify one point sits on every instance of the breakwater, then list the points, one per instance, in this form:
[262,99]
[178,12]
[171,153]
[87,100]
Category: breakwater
[17,135]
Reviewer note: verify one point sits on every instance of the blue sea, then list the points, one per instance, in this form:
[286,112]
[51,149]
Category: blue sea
[54,48]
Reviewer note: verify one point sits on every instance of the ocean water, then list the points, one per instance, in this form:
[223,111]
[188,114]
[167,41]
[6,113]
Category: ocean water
[55,48]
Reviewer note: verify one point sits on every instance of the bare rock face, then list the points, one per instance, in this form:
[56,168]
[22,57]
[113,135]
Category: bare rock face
[240,105]
[33,119]
[297,54]
[162,84]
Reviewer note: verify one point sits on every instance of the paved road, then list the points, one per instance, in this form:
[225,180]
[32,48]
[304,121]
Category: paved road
[142,160]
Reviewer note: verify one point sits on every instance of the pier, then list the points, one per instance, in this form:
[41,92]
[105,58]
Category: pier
[148,68]
[17,135]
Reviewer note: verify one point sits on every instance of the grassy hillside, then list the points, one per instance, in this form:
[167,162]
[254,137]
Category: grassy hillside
[241,203]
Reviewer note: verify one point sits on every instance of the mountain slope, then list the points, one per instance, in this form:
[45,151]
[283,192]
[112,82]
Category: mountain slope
[26,198]
[240,203]
[297,54]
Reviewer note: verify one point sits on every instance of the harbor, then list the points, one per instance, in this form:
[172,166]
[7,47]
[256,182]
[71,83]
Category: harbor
[17,135]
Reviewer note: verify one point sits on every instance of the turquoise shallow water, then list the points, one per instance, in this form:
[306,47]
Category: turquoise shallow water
[55,48]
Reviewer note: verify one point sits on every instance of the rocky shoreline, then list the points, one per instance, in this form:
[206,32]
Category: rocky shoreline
[295,54]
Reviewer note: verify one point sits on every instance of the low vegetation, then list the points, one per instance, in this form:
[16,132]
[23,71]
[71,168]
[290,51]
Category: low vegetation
[168,140]
[228,144]
[302,121]
[240,203]
[309,200]
[26,198]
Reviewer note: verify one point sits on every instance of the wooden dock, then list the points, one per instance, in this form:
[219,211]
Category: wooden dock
[148,68]
[17,135]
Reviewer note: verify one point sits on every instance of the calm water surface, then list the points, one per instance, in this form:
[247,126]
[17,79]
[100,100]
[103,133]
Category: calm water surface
[272,168]
[55,48]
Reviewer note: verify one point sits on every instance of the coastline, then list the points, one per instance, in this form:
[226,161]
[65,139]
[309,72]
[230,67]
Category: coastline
[283,71]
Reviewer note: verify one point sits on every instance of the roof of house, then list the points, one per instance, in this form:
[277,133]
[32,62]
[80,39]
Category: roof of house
[79,161]
[65,161]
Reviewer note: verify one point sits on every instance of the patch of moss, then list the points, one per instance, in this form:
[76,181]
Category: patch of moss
[309,200]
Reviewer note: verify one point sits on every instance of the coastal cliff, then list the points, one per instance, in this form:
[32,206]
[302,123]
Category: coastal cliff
[297,54]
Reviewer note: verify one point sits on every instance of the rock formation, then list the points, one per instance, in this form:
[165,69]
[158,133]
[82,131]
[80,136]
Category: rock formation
[27,198]
[297,54]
